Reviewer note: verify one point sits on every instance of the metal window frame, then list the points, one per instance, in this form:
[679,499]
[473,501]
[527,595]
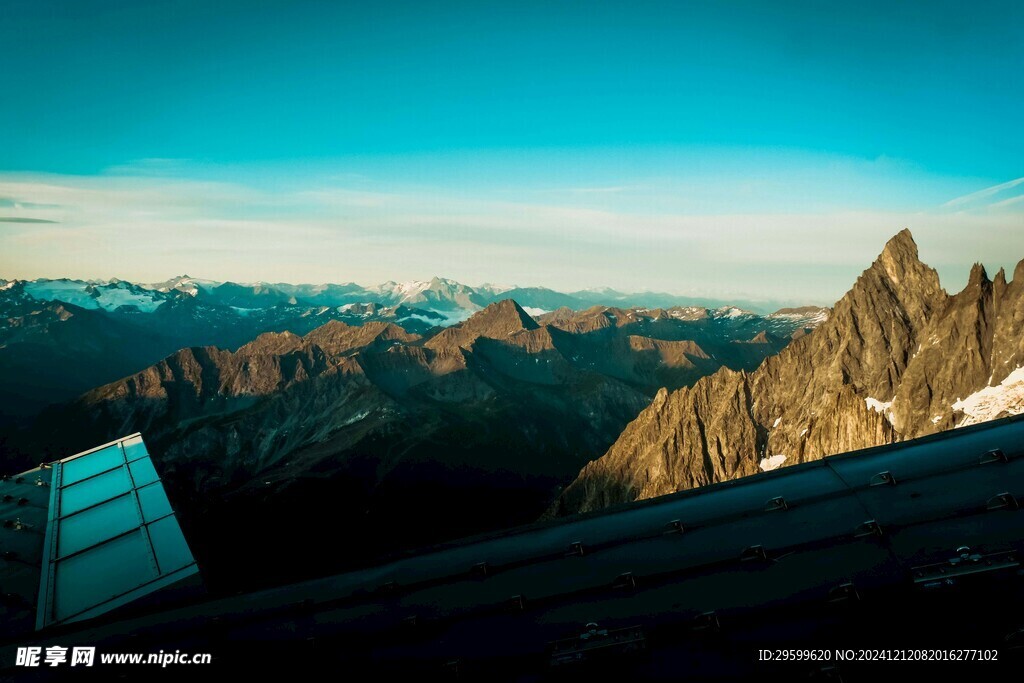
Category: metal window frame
[45,615]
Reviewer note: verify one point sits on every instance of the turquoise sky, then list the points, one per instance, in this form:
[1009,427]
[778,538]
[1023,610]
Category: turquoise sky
[747,148]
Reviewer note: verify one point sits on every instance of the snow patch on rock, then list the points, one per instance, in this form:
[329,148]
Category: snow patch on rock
[883,407]
[1006,398]
[773,462]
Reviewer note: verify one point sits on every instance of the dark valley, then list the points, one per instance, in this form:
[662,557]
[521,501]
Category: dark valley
[389,435]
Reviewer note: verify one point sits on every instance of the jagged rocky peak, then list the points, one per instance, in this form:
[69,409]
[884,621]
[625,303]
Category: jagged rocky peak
[913,284]
[272,342]
[1000,279]
[978,276]
[898,358]
[499,320]
[336,337]
[899,251]
[968,350]
[875,327]
[504,315]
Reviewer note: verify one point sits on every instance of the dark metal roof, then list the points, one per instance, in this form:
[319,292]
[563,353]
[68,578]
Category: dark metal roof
[872,524]
[24,499]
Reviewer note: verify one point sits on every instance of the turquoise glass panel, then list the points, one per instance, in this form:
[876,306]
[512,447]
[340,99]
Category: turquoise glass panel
[143,472]
[88,465]
[99,574]
[169,545]
[96,524]
[94,490]
[154,502]
[134,448]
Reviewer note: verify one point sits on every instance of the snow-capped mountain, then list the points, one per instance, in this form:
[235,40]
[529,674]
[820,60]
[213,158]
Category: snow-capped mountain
[108,296]
[438,294]
[454,300]
[182,283]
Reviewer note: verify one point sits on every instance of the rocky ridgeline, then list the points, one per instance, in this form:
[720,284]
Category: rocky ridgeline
[897,359]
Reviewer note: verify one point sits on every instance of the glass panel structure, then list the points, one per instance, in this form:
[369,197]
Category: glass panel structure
[111,537]
[94,490]
[171,550]
[97,461]
[154,502]
[143,472]
[134,448]
[103,573]
[96,524]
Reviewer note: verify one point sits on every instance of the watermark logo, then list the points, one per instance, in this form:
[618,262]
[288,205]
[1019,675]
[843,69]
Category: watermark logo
[55,656]
[58,655]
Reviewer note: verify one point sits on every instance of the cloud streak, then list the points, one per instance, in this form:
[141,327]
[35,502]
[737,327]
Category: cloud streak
[988,192]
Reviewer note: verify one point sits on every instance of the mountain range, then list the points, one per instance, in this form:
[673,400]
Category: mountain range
[437,294]
[898,358]
[390,424]
[394,438]
[59,338]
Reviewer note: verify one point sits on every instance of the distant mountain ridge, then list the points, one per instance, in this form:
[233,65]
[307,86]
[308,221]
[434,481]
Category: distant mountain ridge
[59,338]
[109,329]
[439,294]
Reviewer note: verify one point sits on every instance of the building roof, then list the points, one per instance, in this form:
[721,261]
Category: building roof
[24,502]
[86,535]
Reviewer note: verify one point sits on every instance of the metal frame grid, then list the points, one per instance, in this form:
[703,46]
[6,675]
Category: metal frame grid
[140,495]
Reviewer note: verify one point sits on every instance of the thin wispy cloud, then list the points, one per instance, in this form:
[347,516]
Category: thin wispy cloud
[981,195]
[1006,203]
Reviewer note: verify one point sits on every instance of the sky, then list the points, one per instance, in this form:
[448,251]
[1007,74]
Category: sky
[760,150]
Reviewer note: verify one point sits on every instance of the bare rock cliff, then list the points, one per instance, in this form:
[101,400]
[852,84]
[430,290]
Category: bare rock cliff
[897,358]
